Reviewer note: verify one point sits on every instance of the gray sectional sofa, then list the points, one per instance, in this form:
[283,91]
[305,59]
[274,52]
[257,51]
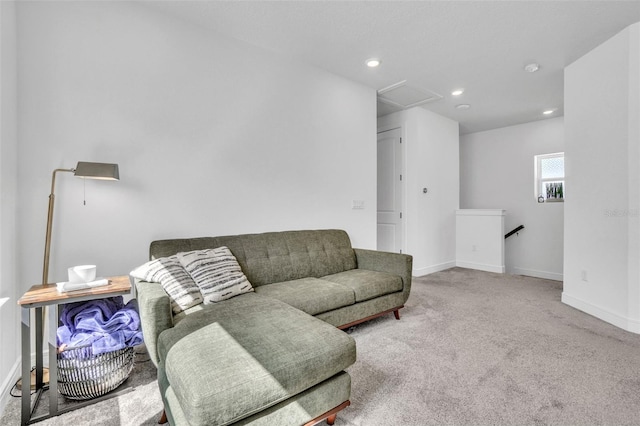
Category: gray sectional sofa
[274,356]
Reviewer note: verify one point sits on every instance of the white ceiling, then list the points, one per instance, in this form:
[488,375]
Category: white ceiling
[437,46]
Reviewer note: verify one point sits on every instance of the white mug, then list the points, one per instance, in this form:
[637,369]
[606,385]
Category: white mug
[82,273]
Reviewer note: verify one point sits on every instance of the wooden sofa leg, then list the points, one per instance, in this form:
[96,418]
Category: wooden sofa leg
[397,314]
[163,418]
[329,416]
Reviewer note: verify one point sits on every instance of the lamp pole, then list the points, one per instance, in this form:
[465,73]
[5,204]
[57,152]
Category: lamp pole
[47,242]
[39,379]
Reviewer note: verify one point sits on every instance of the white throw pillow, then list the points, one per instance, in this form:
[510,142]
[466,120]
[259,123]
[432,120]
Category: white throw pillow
[175,280]
[216,272]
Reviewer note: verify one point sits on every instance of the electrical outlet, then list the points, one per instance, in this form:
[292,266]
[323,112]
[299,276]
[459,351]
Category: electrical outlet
[583,274]
[474,248]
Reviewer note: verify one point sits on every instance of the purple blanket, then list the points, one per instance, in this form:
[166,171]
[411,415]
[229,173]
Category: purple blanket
[104,324]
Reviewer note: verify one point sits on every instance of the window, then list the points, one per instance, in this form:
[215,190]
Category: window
[549,177]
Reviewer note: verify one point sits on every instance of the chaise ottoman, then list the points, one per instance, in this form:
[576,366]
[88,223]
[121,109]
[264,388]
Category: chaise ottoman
[254,360]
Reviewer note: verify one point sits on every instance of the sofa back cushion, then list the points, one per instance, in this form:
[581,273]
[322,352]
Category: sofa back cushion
[275,256]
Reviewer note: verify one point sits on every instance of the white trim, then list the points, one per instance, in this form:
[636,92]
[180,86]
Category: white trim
[421,272]
[538,274]
[45,358]
[481,266]
[628,324]
[388,127]
[14,374]
[539,181]
[5,387]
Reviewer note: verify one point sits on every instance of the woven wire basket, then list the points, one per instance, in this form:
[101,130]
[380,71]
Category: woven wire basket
[82,375]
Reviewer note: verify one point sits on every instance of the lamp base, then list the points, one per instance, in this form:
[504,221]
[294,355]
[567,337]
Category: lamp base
[45,379]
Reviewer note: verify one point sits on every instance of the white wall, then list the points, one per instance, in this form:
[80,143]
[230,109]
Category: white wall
[431,161]
[10,291]
[480,239]
[212,136]
[602,212]
[497,172]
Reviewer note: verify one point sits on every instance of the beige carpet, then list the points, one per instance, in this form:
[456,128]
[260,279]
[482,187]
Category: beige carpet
[472,348]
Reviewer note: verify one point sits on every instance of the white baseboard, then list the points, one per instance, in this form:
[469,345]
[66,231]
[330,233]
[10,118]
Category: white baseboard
[45,358]
[481,266]
[538,274]
[420,272]
[7,384]
[14,374]
[628,324]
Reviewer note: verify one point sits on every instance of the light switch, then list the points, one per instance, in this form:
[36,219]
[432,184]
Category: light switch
[357,204]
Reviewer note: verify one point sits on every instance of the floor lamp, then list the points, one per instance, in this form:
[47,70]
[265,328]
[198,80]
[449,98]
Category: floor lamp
[86,170]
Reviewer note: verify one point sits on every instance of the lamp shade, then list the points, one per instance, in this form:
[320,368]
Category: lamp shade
[103,171]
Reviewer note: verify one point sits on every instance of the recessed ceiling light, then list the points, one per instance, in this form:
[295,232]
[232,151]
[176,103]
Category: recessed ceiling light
[373,62]
[463,106]
[549,111]
[457,92]
[532,67]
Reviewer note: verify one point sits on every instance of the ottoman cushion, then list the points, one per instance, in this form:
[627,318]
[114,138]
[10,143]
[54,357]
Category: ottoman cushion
[246,354]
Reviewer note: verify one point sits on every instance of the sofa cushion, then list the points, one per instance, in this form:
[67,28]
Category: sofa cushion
[367,284]
[243,355]
[176,281]
[274,257]
[216,272]
[311,295]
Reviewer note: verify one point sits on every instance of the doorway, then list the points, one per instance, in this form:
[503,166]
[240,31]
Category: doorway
[390,192]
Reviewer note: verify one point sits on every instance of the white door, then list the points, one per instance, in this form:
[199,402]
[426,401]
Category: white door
[390,191]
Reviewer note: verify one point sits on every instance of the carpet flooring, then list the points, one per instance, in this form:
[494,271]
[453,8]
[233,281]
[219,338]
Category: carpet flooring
[471,348]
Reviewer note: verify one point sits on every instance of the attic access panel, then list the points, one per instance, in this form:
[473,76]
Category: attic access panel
[405,96]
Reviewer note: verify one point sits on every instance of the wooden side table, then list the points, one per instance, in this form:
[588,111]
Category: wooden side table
[38,297]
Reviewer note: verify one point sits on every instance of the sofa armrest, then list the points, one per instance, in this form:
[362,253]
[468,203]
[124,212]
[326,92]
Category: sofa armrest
[392,263]
[155,314]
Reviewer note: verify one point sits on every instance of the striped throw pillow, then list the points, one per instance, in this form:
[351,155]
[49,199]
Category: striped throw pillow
[169,272]
[216,272]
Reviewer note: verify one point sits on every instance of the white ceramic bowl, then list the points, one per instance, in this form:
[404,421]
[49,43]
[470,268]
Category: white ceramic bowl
[82,273]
